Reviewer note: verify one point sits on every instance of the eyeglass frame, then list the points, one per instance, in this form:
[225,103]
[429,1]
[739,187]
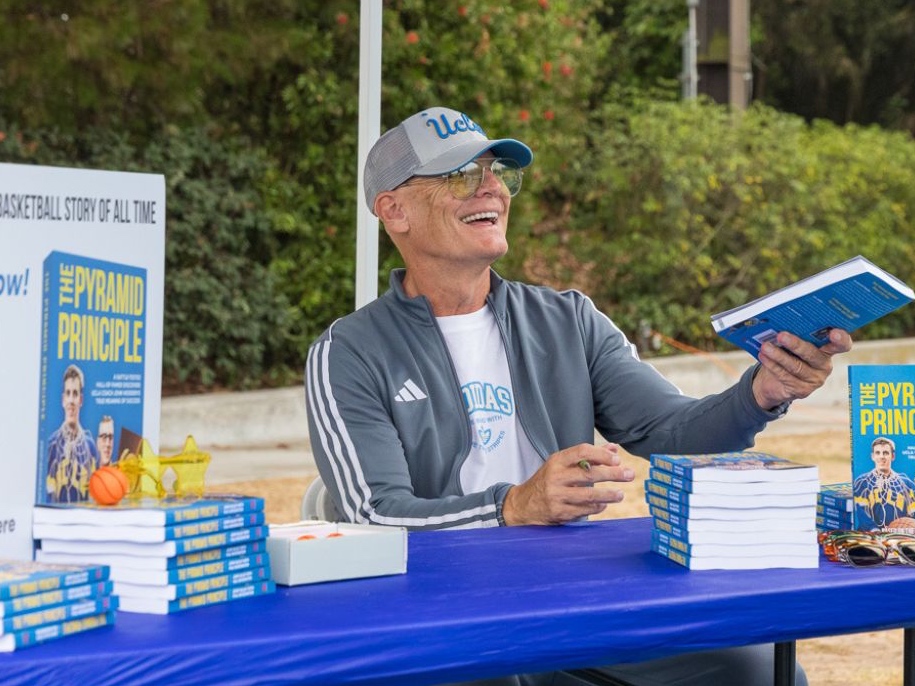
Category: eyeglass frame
[459,176]
[884,545]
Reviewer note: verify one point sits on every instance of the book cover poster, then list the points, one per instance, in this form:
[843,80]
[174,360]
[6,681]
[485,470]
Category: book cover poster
[882,421]
[93,336]
[104,225]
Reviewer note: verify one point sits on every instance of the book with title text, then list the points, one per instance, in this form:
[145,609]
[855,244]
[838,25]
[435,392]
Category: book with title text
[881,402]
[93,345]
[82,281]
[846,296]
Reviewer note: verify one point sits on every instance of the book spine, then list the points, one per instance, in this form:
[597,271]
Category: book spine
[670,529]
[664,462]
[230,565]
[198,586]
[216,554]
[48,632]
[225,538]
[45,582]
[674,544]
[669,480]
[662,514]
[662,502]
[836,503]
[214,510]
[222,595]
[36,601]
[59,613]
[209,526]
[673,555]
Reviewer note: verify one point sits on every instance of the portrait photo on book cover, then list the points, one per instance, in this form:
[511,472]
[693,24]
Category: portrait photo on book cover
[884,498]
[92,371]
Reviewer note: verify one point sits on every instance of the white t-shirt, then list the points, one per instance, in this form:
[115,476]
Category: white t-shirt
[501,451]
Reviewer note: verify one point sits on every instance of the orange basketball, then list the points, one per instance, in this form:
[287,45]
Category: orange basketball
[108,485]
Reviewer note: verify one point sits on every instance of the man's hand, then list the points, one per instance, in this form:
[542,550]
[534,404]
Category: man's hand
[794,368]
[561,490]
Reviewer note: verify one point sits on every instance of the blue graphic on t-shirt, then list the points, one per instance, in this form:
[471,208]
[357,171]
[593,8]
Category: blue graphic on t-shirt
[480,396]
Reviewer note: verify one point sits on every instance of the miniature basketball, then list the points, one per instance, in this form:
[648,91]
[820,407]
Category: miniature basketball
[108,485]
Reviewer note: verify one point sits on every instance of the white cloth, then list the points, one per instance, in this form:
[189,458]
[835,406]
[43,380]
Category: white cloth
[501,452]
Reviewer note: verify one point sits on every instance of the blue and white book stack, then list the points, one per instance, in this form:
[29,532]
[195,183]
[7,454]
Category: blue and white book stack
[735,510]
[835,507]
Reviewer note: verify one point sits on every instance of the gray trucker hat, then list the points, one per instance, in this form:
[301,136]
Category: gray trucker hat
[433,142]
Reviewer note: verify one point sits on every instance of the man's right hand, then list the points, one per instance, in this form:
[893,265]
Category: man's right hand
[562,489]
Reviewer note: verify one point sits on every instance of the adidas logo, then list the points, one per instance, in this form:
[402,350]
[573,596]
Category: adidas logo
[409,392]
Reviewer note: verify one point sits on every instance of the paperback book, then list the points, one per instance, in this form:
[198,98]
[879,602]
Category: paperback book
[156,550]
[181,589]
[837,496]
[162,606]
[45,599]
[672,523]
[687,501]
[734,467]
[21,578]
[666,533]
[58,613]
[750,488]
[146,534]
[807,561]
[167,511]
[130,564]
[25,638]
[882,426]
[846,296]
[745,548]
[670,511]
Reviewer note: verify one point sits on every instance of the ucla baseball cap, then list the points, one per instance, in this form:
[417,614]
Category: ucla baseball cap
[433,142]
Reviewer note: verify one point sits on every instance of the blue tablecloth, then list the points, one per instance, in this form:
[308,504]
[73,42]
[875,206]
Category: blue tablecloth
[475,604]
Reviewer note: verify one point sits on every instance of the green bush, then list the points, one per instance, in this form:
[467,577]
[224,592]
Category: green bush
[225,323]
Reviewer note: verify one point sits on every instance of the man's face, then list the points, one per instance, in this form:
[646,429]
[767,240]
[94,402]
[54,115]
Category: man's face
[446,228]
[105,441]
[72,401]
[882,455]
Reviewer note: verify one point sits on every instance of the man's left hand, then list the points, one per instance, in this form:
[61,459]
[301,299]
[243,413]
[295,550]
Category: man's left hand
[794,368]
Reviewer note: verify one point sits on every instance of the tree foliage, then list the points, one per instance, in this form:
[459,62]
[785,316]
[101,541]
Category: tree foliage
[663,211]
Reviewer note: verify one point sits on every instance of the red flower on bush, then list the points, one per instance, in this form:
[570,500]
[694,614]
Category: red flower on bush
[462,11]
[547,69]
[412,37]
[566,70]
[2,136]
[549,115]
[545,4]
[342,18]
[524,115]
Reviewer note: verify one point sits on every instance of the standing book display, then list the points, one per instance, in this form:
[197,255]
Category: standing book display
[881,400]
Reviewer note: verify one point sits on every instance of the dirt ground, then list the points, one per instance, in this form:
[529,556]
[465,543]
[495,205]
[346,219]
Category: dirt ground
[872,658]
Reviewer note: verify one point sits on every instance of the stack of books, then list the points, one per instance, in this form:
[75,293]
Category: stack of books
[736,510]
[835,507]
[165,555]
[43,602]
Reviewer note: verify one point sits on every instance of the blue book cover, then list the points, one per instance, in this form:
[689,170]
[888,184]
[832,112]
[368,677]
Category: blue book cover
[167,511]
[44,599]
[29,637]
[749,488]
[836,514]
[746,466]
[881,402]
[750,533]
[157,564]
[58,613]
[146,534]
[768,559]
[24,577]
[838,496]
[182,589]
[93,347]
[162,549]
[846,296]
[685,499]
[162,606]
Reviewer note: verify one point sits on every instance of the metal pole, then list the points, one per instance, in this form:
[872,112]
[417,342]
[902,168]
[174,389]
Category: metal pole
[692,49]
[370,15]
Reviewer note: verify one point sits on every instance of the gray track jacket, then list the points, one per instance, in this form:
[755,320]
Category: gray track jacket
[387,421]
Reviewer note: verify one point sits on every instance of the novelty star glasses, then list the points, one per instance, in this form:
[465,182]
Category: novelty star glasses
[868,548]
[467,180]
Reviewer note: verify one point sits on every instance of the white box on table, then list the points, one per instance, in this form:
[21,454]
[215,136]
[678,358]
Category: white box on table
[333,551]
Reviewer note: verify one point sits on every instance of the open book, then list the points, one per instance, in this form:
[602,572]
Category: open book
[846,296]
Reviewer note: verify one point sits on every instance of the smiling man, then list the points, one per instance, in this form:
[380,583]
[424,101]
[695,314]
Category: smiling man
[461,399]
[72,454]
